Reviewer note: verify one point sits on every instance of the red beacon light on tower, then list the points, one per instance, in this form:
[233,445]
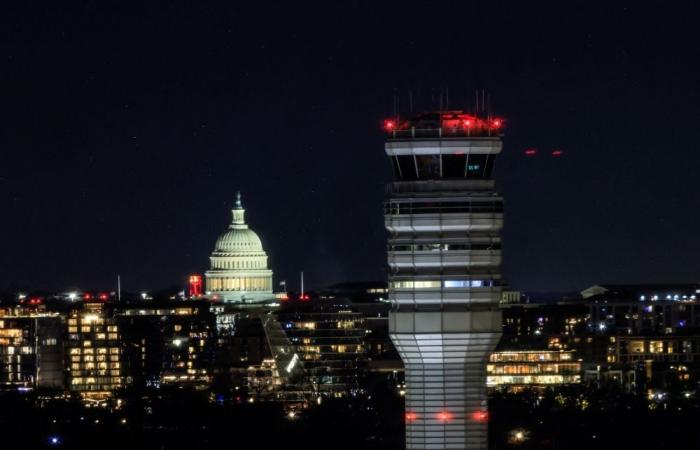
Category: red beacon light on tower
[480,416]
[389,125]
[444,416]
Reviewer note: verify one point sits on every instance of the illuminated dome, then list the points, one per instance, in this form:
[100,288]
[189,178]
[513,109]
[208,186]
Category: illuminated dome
[239,270]
[239,240]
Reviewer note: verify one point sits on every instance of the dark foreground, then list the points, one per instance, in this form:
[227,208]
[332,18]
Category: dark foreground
[181,419]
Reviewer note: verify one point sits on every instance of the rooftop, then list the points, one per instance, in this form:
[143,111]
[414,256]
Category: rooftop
[443,124]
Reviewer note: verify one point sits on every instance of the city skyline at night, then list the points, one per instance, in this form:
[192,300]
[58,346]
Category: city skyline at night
[395,225]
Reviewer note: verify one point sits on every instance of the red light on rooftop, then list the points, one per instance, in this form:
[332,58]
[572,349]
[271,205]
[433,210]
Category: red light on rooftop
[480,416]
[496,123]
[304,298]
[103,296]
[557,153]
[467,123]
[530,152]
[87,296]
[195,285]
[444,416]
[389,125]
[411,416]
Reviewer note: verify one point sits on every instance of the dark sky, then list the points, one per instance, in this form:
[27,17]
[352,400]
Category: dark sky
[127,129]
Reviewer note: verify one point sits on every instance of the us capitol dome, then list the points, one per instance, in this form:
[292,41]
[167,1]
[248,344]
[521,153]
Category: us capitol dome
[239,270]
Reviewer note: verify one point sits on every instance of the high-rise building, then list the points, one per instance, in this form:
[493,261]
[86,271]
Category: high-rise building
[93,352]
[239,270]
[167,342]
[31,350]
[444,251]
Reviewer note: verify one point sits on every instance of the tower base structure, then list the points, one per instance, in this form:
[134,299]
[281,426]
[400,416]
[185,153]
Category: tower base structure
[445,355]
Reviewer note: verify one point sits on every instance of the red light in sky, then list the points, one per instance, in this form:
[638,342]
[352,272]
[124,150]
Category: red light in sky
[389,125]
[411,416]
[304,297]
[467,123]
[480,416]
[87,296]
[496,123]
[444,416]
[557,153]
[530,152]
[103,296]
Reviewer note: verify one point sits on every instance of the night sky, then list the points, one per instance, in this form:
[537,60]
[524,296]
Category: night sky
[128,128]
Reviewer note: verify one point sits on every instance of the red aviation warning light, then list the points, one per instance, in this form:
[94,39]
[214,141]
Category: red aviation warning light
[480,416]
[389,125]
[411,417]
[444,123]
[530,152]
[557,153]
[195,286]
[444,416]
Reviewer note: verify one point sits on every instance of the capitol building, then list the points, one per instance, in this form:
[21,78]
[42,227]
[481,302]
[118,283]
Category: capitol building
[239,270]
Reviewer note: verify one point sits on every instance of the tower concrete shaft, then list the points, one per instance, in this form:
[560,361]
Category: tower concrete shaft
[444,252]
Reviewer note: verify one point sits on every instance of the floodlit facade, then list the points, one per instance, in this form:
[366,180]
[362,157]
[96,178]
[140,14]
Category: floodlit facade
[239,270]
[444,251]
[533,368]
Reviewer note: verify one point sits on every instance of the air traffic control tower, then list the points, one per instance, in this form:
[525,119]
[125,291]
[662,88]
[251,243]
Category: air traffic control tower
[444,252]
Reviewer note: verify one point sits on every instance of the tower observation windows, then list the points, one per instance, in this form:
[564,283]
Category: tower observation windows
[453,166]
[432,167]
[428,166]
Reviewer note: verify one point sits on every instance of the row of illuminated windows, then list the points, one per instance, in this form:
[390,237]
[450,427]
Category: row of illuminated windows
[444,207]
[91,351]
[496,380]
[99,365]
[11,350]
[427,167]
[657,346]
[532,369]
[445,247]
[530,356]
[95,380]
[97,336]
[11,333]
[436,284]
[91,358]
